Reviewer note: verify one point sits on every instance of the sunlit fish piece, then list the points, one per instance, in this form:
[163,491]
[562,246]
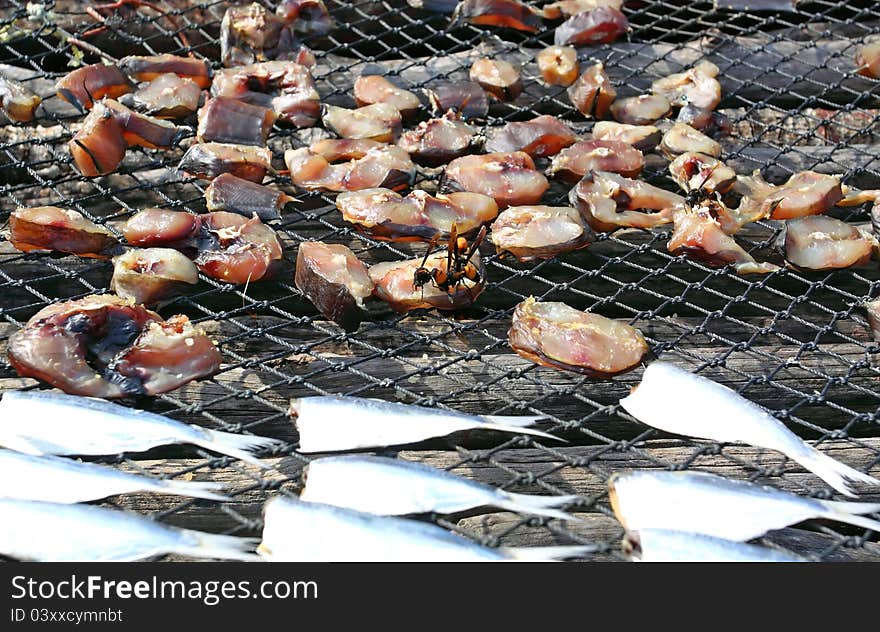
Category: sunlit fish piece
[370,89]
[574,162]
[540,232]
[642,137]
[505,13]
[151,67]
[17,101]
[868,59]
[805,193]
[499,78]
[558,65]
[694,171]
[42,423]
[309,17]
[820,242]
[235,249]
[228,120]
[644,109]
[52,532]
[209,160]
[59,480]
[149,275]
[601,25]
[98,148]
[569,8]
[394,487]
[167,96]
[380,122]
[439,140]
[334,424]
[59,230]
[592,94]
[159,227]
[681,138]
[87,84]
[508,177]
[367,164]
[713,411]
[466,98]
[141,130]
[696,86]
[236,195]
[706,120]
[540,137]
[664,545]
[609,201]
[720,507]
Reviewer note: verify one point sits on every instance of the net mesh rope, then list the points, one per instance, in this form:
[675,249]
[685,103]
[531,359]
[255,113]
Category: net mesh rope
[795,342]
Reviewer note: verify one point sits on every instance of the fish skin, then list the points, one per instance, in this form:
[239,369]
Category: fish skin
[52,532]
[712,505]
[663,545]
[334,423]
[658,401]
[299,531]
[45,423]
[394,487]
[60,480]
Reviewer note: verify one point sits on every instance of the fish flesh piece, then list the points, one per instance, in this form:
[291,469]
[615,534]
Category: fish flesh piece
[334,424]
[644,109]
[601,25]
[465,98]
[868,59]
[805,193]
[574,162]
[209,160]
[437,141]
[371,89]
[286,87]
[707,121]
[167,97]
[59,230]
[251,34]
[715,412]
[335,281]
[818,242]
[236,195]
[540,137]
[17,101]
[681,139]
[87,84]
[508,177]
[380,122]
[369,165]
[540,232]
[228,120]
[154,227]
[609,201]
[151,67]
[150,275]
[419,216]
[569,8]
[504,13]
[98,148]
[499,78]
[696,86]
[558,65]
[720,507]
[42,423]
[309,17]
[236,249]
[106,346]
[139,129]
[642,137]
[698,234]
[59,480]
[562,337]
[394,284]
[300,531]
[694,171]
[30,532]
[664,545]
[394,487]
[593,93]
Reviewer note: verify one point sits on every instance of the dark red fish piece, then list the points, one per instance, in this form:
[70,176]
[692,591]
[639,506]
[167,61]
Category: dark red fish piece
[228,120]
[309,17]
[209,160]
[592,94]
[505,13]
[59,230]
[599,26]
[83,86]
[98,148]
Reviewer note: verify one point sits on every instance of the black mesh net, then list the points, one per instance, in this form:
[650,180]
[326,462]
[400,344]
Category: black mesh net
[795,342]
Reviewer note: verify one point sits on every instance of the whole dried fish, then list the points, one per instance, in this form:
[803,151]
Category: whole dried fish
[716,412]
[42,423]
[394,487]
[59,480]
[30,532]
[711,505]
[299,531]
[664,545]
[335,424]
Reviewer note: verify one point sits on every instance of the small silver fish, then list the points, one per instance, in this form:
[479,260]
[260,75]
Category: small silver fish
[681,402]
[713,505]
[333,424]
[392,487]
[299,531]
[60,480]
[51,532]
[663,545]
[41,423]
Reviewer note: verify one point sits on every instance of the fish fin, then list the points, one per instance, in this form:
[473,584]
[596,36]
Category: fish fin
[518,430]
[538,505]
[513,420]
[852,508]
[190,489]
[547,553]
[236,445]
[221,547]
[833,472]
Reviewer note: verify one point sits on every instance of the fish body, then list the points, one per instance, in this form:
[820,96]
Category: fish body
[51,532]
[662,545]
[299,531]
[720,507]
[42,423]
[332,423]
[394,487]
[60,480]
[681,402]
